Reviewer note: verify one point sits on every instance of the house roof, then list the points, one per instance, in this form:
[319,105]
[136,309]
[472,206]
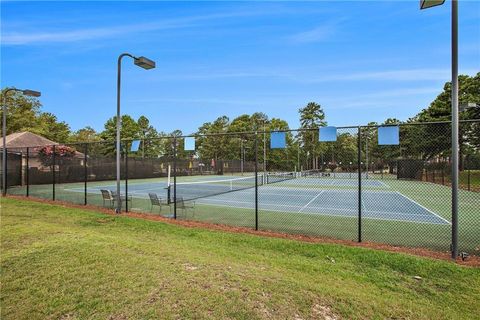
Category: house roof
[26,139]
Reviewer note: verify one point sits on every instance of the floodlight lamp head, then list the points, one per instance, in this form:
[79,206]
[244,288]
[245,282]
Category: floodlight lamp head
[464,106]
[31,93]
[425,4]
[144,63]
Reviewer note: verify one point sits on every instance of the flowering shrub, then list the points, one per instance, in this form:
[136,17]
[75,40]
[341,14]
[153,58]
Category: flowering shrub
[62,153]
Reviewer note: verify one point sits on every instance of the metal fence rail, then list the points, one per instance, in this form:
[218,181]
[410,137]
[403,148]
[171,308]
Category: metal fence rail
[351,189]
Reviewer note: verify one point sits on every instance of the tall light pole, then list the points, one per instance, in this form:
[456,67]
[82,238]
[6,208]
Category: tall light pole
[145,64]
[425,4]
[26,92]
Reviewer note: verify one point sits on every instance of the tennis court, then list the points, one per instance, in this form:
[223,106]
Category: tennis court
[281,195]
[386,194]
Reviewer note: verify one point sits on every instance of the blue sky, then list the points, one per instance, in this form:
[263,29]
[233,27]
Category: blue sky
[362,61]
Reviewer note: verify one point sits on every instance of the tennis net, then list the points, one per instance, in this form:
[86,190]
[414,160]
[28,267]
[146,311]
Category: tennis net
[274,177]
[311,173]
[202,189]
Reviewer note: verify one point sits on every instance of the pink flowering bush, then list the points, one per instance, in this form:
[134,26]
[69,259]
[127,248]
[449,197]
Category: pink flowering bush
[62,154]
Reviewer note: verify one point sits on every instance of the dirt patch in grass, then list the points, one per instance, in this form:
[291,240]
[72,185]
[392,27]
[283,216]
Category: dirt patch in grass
[323,312]
[473,261]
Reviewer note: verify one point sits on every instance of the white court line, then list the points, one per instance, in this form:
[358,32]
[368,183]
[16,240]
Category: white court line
[337,182]
[380,213]
[384,184]
[363,205]
[314,198]
[206,201]
[353,216]
[145,191]
[418,204]
[283,194]
[296,190]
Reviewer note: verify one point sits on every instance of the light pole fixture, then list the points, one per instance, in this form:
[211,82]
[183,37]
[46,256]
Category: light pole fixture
[469,105]
[425,4]
[27,92]
[146,64]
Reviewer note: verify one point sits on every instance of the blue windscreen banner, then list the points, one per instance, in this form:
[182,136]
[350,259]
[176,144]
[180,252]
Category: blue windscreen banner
[327,134]
[135,146]
[277,140]
[389,136]
[189,144]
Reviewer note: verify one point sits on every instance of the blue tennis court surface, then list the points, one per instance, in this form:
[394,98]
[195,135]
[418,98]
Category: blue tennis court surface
[383,205]
[294,196]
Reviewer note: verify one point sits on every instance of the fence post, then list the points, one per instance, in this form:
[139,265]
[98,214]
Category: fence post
[359,184]
[383,168]
[443,175]
[468,178]
[126,179]
[5,176]
[85,171]
[467,165]
[53,173]
[27,172]
[175,178]
[256,181]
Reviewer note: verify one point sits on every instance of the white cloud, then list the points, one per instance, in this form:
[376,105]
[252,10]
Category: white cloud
[213,101]
[400,98]
[62,36]
[320,33]
[310,76]
[317,34]
[25,38]
[388,75]
[397,75]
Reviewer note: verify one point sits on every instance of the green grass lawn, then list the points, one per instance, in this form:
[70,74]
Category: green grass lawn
[63,263]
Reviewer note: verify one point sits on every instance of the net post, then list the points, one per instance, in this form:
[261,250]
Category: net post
[359,159]
[85,171]
[175,178]
[256,181]
[53,173]
[27,172]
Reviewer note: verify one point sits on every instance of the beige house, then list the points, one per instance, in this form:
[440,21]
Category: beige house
[26,139]
[17,144]
[20,141]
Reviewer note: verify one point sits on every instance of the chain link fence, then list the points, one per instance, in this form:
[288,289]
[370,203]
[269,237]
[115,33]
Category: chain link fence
[352,188]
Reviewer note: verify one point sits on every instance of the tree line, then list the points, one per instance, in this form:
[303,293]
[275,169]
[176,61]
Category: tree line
[231,139]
